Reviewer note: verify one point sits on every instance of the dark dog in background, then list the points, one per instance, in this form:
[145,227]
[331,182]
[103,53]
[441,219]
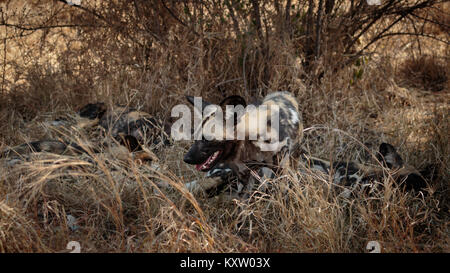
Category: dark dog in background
[129,127]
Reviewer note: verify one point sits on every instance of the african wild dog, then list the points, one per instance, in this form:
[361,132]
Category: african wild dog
[129,127]
[347,178]
[128,144]
[243,162]
[83,119]
[51,146]
[405,175]
[246,157]
[351,175]
[125,121]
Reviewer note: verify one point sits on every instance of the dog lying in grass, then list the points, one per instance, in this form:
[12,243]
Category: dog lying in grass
[129,127]
[125,121]
[353,176]
[270,146]
[346,177]
[242,165]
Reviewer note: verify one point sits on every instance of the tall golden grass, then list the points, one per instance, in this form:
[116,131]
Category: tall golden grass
[123,206]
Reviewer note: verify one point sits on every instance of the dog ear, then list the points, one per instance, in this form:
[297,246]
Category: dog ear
[389,156]
[233,100]
[204,103]
[92,110]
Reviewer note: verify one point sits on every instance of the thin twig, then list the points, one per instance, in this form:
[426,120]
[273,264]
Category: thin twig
[233,18]
[178,19]
[4,56]
[413,34]
[318,28]
[30,28]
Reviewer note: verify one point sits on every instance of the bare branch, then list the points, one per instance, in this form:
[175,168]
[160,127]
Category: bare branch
[257,18]
[233,18]
[42,27]
[287,17]
[318,28]
[428,36]
[444,26]
[177,19]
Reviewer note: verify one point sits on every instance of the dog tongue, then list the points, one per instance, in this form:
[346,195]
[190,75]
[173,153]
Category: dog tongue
[207,163]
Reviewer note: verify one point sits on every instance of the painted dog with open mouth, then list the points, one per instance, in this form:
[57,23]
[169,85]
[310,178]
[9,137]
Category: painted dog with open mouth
[261,144]
[346,178]
[244,162]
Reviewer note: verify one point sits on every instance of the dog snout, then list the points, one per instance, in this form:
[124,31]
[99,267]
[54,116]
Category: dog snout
[188,158]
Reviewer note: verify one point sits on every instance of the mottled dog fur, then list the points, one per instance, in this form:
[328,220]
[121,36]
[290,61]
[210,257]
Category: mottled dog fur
[245,157]
[352,175]
[240,163]
[347,177]
[131,128]
[51,146]
[125,121]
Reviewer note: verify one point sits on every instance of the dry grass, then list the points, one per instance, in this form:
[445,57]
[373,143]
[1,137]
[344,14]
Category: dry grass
[122,206]
[425,72]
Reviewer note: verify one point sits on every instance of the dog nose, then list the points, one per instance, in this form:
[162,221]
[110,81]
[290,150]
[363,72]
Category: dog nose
[187,159]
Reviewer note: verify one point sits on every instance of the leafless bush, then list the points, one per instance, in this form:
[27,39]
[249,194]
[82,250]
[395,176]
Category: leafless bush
[331,54]
[233,45]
